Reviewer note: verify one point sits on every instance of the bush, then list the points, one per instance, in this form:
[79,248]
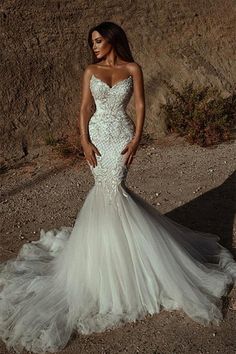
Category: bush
[201,115]
[64,145]
[50,140]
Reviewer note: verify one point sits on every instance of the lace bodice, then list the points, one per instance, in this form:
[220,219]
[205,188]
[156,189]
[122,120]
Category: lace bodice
[111,99]
[110,129]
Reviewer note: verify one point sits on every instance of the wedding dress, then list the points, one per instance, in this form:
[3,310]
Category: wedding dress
[121,261]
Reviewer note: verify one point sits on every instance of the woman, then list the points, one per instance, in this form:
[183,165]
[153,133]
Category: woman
[122,260]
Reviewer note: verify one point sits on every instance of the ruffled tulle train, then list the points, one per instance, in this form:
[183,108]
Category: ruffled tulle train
[121,261]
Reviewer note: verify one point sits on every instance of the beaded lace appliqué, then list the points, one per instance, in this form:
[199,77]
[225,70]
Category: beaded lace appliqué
[110,129]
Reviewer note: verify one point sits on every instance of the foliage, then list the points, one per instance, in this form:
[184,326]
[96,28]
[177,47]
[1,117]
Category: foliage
[50,140]
[64,145]
[201,115]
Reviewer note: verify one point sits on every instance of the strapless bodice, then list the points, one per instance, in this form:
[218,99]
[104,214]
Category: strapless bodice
[110,120]
[110,129]
[111,99]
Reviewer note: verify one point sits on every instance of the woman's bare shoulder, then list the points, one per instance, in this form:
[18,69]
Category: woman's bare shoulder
[90,69]
[134,67]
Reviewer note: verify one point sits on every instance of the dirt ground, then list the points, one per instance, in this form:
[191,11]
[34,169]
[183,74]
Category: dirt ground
[192,185]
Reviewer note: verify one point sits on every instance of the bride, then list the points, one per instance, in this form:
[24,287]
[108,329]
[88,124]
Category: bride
[122,260]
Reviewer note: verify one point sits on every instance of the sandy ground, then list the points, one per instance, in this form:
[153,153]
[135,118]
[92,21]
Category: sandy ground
[192,185]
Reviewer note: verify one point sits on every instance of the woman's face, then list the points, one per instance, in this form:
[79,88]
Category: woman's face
[101,47]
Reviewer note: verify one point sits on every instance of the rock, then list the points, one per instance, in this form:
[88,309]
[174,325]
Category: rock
[41,79]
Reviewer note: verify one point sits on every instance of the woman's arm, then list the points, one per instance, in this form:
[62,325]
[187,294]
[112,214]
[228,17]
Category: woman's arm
[139,100]
[89,149]
[85,106]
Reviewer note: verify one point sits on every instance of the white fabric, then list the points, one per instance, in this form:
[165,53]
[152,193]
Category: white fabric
[121,261]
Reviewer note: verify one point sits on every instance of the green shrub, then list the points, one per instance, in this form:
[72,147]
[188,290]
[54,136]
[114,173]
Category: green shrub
[201,115]
[50,140]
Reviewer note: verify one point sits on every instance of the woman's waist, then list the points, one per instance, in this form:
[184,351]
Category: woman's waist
[115,122]
[110,112]
[110,116]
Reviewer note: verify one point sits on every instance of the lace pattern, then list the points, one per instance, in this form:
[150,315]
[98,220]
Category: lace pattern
[110,129]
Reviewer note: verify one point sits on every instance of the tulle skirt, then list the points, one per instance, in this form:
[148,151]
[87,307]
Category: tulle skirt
[121,261]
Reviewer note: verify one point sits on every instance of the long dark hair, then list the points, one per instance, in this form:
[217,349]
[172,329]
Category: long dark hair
[116,37]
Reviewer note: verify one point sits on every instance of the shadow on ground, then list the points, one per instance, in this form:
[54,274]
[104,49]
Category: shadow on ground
[212,212]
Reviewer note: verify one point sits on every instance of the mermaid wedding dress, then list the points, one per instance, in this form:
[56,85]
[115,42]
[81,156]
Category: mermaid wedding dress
[121,261]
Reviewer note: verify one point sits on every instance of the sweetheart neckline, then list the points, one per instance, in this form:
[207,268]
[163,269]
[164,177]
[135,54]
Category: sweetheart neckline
[111,87]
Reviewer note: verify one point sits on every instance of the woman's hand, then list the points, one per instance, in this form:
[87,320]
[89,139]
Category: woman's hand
[90,152]
[131,149]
